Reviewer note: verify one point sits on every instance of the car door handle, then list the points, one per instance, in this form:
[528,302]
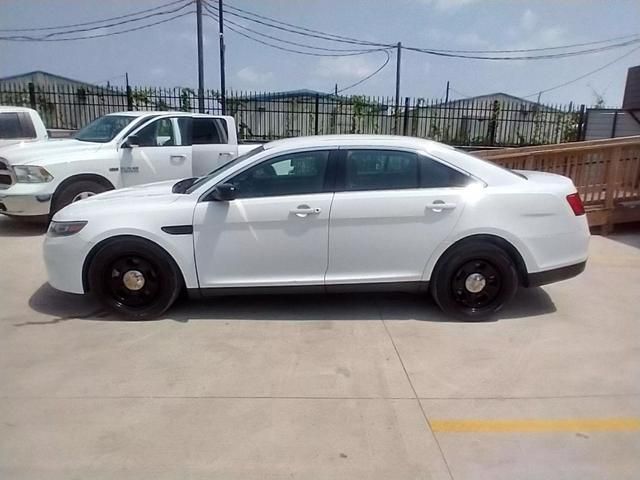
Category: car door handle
[303,210]
[177,158]
[226,154]
[439,206]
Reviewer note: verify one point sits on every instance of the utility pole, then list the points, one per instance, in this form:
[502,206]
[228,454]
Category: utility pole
[446,98]
[129,93]
[200,57]
[398,58]
[223,88]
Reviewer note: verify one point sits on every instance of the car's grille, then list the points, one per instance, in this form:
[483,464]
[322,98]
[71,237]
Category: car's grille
[6,177]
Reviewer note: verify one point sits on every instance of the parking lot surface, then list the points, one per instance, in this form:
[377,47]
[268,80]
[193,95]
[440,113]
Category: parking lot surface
[343,386]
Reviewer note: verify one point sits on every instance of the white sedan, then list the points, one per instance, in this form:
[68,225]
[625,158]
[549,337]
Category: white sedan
[325,214]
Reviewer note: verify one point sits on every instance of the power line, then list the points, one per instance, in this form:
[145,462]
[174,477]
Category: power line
[273,23]
[371,75]
[558,47]
[291,50]
[584,75]
[310,30]
[527,57]
[314,47]
[140,27]
[296,30]
[37,29]
[89,29]
[463,95]
[231,22]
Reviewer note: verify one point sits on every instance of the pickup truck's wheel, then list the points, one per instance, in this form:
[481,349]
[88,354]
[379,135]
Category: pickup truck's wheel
[474,281]
[134,278]
[76,191]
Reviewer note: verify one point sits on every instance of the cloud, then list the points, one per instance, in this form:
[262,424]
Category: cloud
[345,68]
[471,39]
[529,20]
[190,36]
[252,77]
[158,71]
[446,5]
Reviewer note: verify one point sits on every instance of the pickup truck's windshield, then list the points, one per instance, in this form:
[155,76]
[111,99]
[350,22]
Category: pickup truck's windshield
[224,167]
[104,129]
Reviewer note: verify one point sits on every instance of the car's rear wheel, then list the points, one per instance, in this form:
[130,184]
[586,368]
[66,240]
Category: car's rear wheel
[134,278]
[474,280]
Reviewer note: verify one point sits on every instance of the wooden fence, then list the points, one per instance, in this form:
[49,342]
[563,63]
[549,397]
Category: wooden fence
[605,172]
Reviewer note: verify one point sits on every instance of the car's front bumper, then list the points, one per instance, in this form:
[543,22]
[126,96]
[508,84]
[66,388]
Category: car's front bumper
[26,199]
[64,261]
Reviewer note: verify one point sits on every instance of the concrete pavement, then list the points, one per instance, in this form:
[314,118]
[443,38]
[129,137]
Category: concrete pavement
[345,386]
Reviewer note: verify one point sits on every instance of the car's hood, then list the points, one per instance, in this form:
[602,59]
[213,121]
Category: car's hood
[145,198]
[149,190]
[49,151]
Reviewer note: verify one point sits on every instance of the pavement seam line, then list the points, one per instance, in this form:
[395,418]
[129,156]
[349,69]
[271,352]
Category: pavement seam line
[570,425]
[424,415]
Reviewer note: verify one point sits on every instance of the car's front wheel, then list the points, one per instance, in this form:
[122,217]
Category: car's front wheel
[75,191]
[134,278]
[474,280]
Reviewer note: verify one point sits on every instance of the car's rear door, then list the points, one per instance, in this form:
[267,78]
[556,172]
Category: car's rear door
[211,148]
[390,211]
[275,232]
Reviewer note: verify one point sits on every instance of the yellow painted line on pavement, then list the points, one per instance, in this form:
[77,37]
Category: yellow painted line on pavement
[533,426]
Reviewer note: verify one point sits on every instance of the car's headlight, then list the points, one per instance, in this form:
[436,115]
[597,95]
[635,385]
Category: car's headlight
[64,229]
[31,174]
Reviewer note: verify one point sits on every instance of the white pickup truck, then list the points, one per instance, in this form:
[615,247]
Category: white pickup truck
[115,151]
[21,125]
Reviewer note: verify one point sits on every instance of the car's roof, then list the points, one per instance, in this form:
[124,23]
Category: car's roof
[354,140]
[147,113]
[15,109]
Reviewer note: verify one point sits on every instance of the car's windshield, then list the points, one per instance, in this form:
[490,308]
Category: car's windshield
[226,166]
[104,129]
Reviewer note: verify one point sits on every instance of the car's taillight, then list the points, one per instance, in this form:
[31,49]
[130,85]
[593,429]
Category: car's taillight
[576,204]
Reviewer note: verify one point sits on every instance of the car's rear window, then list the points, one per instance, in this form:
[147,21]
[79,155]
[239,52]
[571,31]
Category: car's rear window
[16,125]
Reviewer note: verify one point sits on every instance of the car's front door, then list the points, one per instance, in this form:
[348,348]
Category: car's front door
[161,150]
[275,232]
[393,209]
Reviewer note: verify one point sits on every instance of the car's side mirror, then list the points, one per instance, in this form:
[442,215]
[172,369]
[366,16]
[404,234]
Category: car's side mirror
[224,192]
[131,141]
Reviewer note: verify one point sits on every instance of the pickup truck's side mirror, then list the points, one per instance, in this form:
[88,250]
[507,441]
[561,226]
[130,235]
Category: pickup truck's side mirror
[224,192]
[131,141]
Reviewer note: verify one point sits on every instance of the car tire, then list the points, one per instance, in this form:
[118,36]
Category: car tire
[134,278]
[474,280]
[75,191]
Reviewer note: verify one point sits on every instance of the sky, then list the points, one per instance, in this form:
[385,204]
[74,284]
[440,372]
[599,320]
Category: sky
[165,55]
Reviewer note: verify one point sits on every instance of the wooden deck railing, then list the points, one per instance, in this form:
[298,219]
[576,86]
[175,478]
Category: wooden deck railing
[605,172]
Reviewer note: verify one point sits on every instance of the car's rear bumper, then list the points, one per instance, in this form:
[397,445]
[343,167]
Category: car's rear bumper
[555,275]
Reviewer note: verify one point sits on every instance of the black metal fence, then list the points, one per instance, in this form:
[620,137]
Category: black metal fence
[497,120]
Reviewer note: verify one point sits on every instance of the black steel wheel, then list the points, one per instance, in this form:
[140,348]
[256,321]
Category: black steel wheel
[474,280]
[134,278]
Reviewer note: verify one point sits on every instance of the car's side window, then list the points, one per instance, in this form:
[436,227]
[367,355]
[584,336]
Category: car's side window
[209,131]
[380,170]
[291,174]
[434,174]
[159,133]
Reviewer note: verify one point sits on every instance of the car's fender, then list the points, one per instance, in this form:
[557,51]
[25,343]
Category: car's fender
[521,248]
